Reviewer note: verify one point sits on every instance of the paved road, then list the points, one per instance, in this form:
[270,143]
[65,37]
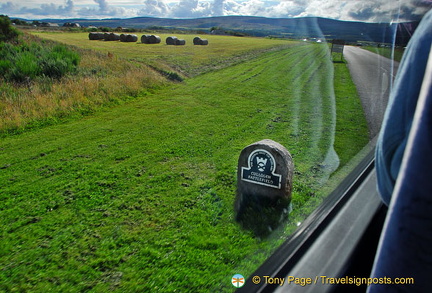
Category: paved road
[372,75]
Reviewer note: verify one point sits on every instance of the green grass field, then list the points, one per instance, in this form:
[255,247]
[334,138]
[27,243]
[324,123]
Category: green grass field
[139,197]
[395,54]
[111,73]
[188,59]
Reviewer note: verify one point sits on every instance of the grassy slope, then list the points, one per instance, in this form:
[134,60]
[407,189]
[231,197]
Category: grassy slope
[113,72]
[140,198]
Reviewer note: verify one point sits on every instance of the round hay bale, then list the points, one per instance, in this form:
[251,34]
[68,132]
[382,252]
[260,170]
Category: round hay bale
[171,40]
[180,42]
[93,36]
[122,38]
[197,41]
[100,36]
[131,38]
[145,39]
[155,39]
[114,37]
[111,37]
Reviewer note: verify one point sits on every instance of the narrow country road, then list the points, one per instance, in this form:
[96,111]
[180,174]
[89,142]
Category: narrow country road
[373,76]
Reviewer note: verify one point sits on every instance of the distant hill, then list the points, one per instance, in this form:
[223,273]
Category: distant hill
[306,27]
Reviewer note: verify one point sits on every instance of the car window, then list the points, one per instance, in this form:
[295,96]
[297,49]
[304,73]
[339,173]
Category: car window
[168,146]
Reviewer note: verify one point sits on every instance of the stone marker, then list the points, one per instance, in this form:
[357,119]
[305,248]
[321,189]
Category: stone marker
[264,184]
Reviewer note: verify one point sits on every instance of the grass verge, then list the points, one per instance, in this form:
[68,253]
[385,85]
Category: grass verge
[140,198]
[389,53]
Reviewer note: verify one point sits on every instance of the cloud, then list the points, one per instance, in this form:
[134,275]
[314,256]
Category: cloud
[154,8]
[365,10]
[415,11]
[289,8]
[50,9]
[67,9]
[8,7]
[377,10]
[218,7]
[193,8]
[105,10]
[103,5]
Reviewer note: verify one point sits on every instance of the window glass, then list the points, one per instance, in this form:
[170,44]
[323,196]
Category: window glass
[119,159]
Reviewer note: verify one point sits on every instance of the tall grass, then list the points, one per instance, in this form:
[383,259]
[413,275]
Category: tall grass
[27,61]
[49,94]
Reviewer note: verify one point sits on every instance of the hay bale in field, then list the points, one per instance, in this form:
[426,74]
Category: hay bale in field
[93,36]
[145,39]
[128,38]
[199,41]
[171,40]
[114,37]
[180,42]
[150,39]
[111,37]
[131,38]
[155,39]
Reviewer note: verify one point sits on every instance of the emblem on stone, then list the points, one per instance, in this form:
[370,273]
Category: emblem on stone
[261,164]
[264,185]
[260,170]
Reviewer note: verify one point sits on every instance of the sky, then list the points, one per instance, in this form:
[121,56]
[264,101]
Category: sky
[353,10]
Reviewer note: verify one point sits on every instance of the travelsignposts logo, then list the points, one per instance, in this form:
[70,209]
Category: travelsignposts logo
[238,281]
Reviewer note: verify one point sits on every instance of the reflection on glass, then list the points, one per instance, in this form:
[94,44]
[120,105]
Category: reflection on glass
[138,195]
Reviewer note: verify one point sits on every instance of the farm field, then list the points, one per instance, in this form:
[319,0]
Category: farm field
[139,197]
[111,73]
[188,59]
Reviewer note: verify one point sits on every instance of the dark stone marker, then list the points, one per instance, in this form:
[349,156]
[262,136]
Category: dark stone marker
[264,185]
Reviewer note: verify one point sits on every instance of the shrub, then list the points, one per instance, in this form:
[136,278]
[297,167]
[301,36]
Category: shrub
[25,67]
[4,66]
[59,61]
[25,62]
[7,32]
